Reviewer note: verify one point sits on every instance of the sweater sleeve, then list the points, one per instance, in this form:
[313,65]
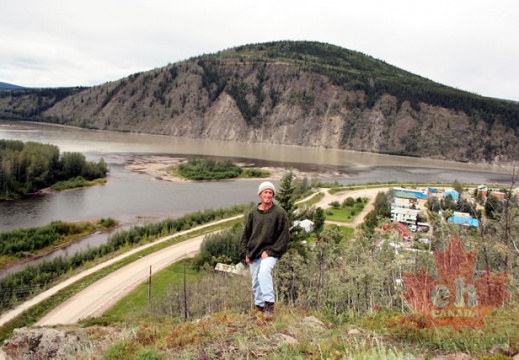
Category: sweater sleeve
[245,236]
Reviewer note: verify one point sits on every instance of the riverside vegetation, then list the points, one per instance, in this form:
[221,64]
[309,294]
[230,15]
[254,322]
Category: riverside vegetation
[26,243]
[338,298]
[26,168]
[208,169]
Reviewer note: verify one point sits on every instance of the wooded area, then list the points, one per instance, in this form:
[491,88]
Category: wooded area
[28,167]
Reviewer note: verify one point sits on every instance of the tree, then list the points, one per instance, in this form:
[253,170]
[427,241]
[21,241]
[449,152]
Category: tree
[72,164]
[319,219]
[348,202]
[493,207]
[457,186]
[434,204]
[382,204]
[285,194]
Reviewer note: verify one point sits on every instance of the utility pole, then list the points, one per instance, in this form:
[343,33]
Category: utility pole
[149,291]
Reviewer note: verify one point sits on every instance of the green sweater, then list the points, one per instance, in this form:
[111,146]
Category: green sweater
[265,231]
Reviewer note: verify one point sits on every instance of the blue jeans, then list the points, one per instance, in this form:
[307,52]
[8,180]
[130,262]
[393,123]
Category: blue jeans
[262,284]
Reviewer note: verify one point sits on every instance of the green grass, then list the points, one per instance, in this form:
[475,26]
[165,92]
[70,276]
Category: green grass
[161,281]
[344,214]
[340,215]
[75,183]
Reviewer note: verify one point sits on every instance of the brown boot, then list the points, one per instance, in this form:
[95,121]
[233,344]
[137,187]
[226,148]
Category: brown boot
[268,311]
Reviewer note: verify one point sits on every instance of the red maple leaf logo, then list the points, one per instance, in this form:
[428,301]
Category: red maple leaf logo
[455,298]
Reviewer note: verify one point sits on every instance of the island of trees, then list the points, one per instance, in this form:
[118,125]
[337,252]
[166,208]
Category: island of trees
[26,168]
[209,169]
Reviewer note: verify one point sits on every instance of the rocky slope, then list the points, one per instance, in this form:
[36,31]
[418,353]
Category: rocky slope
[293,93]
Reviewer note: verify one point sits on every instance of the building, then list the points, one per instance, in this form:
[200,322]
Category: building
[498,194]
[306,225]
[409,194]
[404,215]
[453,193]
[482,191]
[463,219]
[403,203]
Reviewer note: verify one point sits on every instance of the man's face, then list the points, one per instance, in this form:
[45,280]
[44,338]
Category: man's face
[266,196]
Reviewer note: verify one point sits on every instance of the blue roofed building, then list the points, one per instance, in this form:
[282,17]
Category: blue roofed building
[453,193]
[409,194]
[463,219]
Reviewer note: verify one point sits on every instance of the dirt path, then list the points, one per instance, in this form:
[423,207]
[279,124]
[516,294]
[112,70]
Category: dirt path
[101,295]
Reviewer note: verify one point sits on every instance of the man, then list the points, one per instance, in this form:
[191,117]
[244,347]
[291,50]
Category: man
[264,240]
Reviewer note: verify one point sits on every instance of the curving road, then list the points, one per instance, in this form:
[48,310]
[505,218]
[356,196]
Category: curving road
[101,295]
[94,300]
[115,290]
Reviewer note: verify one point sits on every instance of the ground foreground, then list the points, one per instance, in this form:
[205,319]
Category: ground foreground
[295,333]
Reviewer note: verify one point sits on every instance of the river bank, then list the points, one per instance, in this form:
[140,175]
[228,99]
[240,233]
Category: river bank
[160,167]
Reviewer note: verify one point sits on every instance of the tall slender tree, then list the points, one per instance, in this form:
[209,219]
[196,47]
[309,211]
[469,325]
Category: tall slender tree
[285,194]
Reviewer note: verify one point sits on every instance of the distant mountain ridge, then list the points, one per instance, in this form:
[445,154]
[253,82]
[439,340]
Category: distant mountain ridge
[293,93]
[7,86]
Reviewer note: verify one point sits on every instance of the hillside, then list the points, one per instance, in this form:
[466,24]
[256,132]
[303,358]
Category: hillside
[293,93]
[7,86]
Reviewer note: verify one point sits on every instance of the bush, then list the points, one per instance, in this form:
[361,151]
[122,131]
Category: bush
[221,247]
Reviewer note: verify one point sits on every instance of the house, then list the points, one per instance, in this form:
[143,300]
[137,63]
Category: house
[408,216]
[400,228]
[453,193]
[306,225]
[409,194]
[400,202]
[498,194]
[482,190]
[463,219]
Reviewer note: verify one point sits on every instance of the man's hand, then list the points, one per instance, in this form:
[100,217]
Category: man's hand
[247,260]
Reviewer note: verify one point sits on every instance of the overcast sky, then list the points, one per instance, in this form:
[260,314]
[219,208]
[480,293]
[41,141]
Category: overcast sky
[471,45]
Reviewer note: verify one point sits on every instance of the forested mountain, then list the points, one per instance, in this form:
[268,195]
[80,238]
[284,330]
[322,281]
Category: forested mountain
[293,93]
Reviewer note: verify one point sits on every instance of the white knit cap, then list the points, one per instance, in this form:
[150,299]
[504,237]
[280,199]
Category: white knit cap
[266,185]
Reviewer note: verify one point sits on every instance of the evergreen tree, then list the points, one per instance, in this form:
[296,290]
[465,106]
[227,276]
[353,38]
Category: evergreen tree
[285,194]
[319,219]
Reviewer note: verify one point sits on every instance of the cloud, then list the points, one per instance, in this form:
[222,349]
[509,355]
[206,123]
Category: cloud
[464,44]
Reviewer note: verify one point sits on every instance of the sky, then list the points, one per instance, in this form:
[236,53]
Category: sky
[470,45]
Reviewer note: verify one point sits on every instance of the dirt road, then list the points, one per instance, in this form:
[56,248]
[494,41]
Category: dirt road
[103,294]
[100,296]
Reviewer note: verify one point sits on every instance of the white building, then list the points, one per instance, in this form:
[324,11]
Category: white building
[404,215]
